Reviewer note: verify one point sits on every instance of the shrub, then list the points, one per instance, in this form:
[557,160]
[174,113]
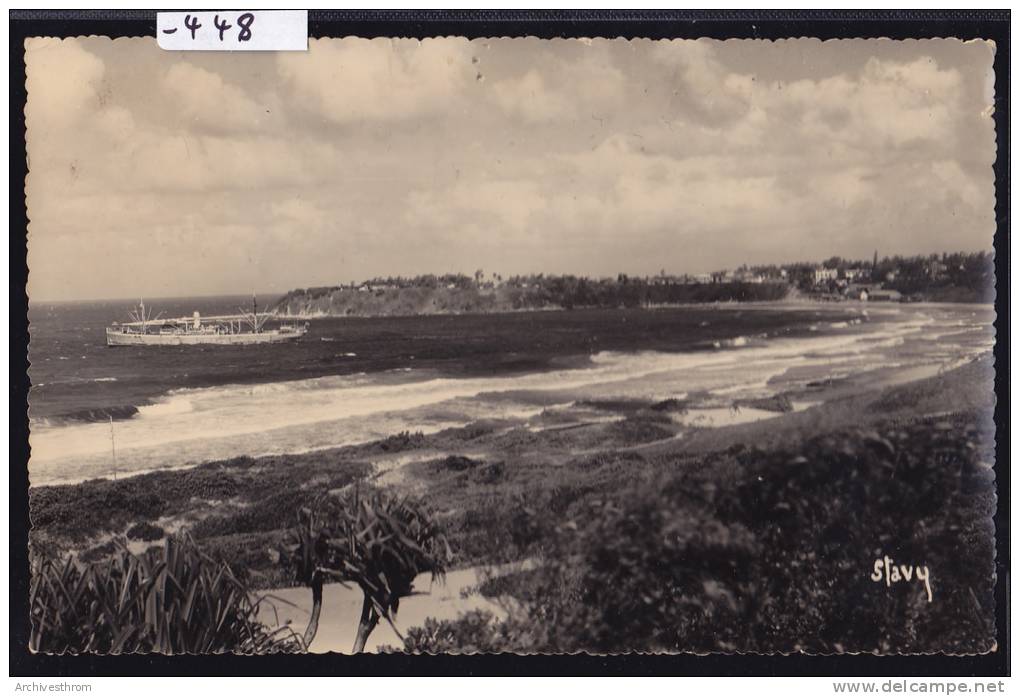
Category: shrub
[174,599]
[274,511]
[101,551]
[640,576]
[475,631]
[671,405]
[455,462]
[402,441]
[823,513]
[636,430]
[489,474]
[144,531]
[780,403]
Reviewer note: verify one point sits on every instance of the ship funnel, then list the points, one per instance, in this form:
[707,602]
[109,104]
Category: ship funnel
[198,320]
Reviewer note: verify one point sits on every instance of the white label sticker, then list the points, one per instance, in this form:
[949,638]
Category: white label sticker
[233,30]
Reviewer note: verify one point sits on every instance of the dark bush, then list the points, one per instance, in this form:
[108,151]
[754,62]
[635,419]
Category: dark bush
[671,406]
[454,463]
[100,551]
[475,631]
[490,473]
[641,429]
[779,403]
[144,531]
[402,441]
[275,511]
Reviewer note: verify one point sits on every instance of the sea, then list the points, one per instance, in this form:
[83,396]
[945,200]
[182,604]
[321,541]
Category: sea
[99,412]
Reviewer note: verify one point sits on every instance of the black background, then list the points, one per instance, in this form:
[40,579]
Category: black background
[983,24]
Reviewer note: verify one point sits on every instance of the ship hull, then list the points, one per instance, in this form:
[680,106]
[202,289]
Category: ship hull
[119,338]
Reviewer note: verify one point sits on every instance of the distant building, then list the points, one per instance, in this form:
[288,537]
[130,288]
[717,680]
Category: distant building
[822,275]
[852,274]
[935,269]
[867,292]
[748,277]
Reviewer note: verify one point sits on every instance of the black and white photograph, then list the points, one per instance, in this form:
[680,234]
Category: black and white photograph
[511,345]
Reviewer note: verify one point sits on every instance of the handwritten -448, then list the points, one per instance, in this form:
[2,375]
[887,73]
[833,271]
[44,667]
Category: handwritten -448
[193,24]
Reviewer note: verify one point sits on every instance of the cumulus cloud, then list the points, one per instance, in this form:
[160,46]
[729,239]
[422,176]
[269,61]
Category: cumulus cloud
[66,83]
[529,98]
[360,80]
[205,99]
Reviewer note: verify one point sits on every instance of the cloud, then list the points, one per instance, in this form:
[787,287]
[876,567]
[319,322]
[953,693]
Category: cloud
[503,207]
[529,98]
[561,88]
[204,99]
[361,80]
[700,87]
[64,81]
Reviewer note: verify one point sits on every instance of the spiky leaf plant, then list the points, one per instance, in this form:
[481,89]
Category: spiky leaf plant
[173,599]
[376,540]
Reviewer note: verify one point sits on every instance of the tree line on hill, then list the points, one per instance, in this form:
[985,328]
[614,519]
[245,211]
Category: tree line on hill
[967,277]
[464,294]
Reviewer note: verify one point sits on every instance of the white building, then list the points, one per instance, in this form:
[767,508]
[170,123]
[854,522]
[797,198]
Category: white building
[825,274]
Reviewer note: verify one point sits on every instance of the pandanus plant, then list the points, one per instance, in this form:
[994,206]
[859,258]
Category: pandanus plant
[377,541]
[173,599]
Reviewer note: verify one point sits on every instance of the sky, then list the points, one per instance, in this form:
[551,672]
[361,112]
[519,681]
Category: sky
[156,174]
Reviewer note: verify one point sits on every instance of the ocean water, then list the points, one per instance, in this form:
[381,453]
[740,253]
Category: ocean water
[356,380]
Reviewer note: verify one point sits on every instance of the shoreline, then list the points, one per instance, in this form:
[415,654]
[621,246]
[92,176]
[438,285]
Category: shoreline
[799,301]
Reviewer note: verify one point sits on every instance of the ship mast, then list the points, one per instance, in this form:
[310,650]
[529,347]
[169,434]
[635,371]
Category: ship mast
[142,317]
[252,317]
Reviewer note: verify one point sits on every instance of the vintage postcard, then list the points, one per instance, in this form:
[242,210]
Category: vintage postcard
[512,345]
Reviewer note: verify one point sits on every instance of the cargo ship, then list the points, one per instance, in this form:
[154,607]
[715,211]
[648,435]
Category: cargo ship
[244,328]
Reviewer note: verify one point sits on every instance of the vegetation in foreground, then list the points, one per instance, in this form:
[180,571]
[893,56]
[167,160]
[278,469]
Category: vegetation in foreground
[761,552]
[173,599]
[638,541]
[176,599]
